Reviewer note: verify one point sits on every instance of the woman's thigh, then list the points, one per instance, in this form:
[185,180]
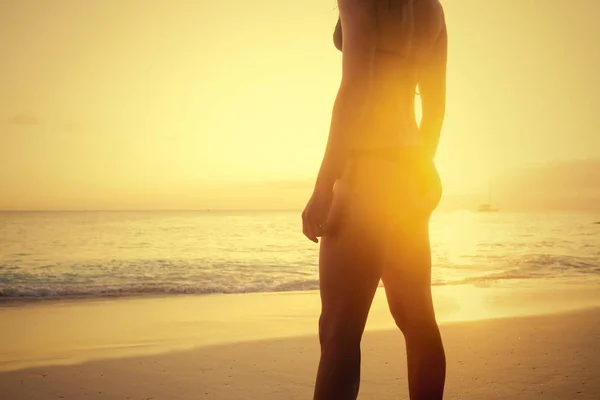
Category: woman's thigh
[406,272]
[395,201]
[369,198]
[378,228]
[349,269]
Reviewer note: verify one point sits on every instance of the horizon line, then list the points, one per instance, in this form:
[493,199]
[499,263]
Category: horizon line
[157,210]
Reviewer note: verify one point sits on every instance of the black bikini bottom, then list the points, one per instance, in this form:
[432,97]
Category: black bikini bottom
[409,161]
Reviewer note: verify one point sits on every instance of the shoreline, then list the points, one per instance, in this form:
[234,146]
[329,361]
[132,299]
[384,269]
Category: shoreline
[498,284]
[74,331]
[552,356]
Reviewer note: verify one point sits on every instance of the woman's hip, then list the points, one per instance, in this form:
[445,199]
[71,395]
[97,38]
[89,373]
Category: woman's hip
[381,190]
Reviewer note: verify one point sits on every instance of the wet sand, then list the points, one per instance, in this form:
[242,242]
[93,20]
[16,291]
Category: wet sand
[525,343]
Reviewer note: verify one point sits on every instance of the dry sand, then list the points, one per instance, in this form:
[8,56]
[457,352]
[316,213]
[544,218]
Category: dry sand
[264,347]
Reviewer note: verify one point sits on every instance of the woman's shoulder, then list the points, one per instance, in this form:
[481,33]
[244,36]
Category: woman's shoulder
[405,26]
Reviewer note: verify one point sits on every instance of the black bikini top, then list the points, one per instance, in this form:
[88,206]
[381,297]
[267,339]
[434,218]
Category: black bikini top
[424,44]
[338,36]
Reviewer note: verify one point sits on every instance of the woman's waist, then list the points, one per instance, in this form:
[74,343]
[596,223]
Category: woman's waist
[390,153]
[385,163]
[388,130]
[388,138]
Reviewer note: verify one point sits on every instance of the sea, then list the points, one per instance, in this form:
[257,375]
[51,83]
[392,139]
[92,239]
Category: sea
[58,255]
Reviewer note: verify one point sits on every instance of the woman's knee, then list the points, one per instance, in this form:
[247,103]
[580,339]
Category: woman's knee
[337,330]
[414,318]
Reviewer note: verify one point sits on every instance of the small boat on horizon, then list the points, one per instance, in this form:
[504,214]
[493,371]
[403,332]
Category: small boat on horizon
[486,208]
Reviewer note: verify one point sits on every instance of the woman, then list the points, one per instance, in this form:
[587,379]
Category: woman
[376,189]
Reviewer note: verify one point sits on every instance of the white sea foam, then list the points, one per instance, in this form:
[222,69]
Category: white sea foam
[73,255]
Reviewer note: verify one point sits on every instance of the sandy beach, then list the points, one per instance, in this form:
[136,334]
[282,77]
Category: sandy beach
[165,166]
[501,343]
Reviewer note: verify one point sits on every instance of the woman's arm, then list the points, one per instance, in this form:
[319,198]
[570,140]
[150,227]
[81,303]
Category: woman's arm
[432,88]
[351,107]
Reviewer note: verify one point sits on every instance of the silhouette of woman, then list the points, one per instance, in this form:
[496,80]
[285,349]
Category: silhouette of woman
[377,188]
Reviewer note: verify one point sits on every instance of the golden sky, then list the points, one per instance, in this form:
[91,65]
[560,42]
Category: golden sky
[196,104]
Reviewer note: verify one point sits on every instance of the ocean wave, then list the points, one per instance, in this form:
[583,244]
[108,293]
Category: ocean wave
[61,291]
[536,266]
[144,278]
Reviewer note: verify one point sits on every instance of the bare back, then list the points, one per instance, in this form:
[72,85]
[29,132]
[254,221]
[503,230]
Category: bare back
[412,39]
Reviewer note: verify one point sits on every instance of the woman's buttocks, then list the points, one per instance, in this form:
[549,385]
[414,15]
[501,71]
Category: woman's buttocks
[379,186]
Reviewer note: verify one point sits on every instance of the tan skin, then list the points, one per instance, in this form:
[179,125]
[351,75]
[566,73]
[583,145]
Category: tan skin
[372,212]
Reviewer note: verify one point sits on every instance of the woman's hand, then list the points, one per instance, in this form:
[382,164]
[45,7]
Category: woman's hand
[314,216]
